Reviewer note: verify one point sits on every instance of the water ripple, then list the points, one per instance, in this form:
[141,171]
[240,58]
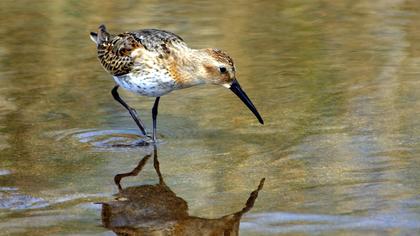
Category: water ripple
[283,222]
[16,201]
[102,138]
[11,199]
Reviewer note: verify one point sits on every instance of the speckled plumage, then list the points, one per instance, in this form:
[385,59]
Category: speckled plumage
[153,62]
[147,62]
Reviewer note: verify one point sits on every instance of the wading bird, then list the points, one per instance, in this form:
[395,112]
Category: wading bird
[153,62]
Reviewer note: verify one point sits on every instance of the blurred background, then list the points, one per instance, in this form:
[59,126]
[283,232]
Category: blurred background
[337,83]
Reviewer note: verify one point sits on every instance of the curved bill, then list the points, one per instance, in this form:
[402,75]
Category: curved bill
[236,88]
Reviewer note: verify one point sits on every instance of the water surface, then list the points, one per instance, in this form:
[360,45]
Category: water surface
[336,82]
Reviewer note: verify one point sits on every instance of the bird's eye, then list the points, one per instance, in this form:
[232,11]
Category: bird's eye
[222,69]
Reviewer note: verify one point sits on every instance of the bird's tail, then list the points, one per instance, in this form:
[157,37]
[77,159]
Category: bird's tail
[100,37]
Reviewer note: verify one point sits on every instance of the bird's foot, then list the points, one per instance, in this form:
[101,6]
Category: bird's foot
[150,139]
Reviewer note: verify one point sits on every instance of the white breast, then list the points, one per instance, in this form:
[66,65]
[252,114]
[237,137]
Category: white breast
[151,83]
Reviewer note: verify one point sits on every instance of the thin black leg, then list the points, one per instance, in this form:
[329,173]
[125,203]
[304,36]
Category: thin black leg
[132,112]
[154,115]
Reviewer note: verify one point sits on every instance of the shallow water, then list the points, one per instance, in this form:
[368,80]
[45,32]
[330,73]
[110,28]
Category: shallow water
[336,82]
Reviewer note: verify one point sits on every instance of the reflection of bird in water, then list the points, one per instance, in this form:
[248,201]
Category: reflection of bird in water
[154,62]
[156,210]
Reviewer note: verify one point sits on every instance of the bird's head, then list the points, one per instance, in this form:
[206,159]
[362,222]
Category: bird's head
[218,68]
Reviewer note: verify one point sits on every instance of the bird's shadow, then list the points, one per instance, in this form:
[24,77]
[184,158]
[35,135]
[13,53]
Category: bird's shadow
[156,209]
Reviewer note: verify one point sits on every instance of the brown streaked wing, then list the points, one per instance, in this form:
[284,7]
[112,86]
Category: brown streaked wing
[157,40]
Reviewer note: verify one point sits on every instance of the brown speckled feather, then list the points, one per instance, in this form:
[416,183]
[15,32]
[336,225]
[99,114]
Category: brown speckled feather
[221,56]
[115,52]
[157,40]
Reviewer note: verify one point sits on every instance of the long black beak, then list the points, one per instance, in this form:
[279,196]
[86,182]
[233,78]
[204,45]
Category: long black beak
[236,88]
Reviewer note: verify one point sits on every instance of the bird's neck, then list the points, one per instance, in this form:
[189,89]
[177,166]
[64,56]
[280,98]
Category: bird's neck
[191,67]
